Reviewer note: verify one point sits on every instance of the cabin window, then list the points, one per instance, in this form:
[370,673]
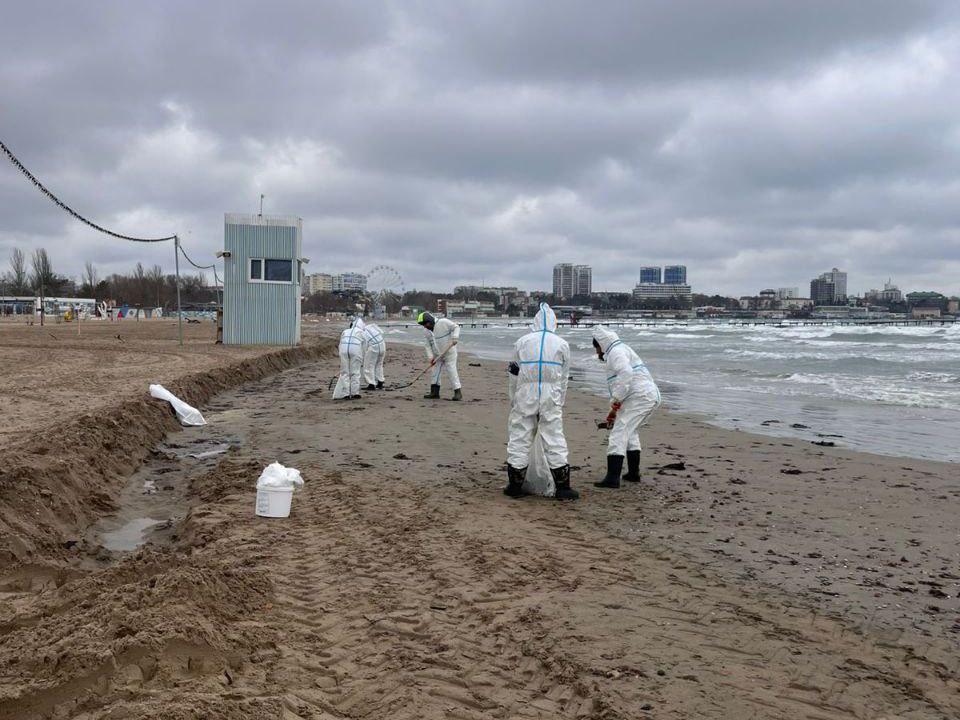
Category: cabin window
[271,270]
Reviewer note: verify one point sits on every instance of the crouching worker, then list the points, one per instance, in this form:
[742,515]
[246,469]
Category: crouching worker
[633,398]
[441,345]
[538,388]
[352,346]
[373,357]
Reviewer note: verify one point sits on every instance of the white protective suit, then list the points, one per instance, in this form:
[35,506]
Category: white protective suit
[445,332]
[537,394]
[352,346]
[374,355]
[629,383]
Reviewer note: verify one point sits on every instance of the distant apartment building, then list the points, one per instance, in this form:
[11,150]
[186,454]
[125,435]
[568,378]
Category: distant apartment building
[785,293]
[651,274]
[890,294]
[582,280]
[570,280]
[822,292]
[675,275]
[835,282]
[662,291]
[319,283]
[563,280]
[465,308]
[349,283]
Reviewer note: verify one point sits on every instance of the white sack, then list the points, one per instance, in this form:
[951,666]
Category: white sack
[342,388]
[276,475]
[539,480]
[187,414]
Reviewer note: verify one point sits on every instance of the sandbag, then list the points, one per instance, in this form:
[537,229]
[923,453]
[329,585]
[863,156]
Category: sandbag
[187,414]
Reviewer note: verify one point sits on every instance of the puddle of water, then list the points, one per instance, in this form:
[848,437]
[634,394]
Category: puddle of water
[129,536]
[218,450]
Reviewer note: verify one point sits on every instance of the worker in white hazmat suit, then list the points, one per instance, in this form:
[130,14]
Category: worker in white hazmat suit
[540,372]
[373,357]
[633,398]
[441,344]
[352,347]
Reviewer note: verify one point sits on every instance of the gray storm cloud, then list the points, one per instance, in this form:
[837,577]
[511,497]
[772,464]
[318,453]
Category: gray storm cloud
[757,142]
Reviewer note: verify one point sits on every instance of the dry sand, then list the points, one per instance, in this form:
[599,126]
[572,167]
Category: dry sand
[405,585]
[52,372]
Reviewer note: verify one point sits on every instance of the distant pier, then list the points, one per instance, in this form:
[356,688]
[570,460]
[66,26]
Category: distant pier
[667,322]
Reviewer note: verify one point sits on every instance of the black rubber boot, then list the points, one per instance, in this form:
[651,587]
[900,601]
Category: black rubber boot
[614,468]
[561,479]
[370,387]
[515,477]
[434,393]
[380,385]
[633,466]
[355,397]
[457,395]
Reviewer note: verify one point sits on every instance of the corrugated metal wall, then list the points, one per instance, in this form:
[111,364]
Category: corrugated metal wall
[260,313]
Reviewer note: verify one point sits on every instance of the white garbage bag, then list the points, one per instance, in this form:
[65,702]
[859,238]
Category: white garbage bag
[187,414]
[276,475]
[539,480]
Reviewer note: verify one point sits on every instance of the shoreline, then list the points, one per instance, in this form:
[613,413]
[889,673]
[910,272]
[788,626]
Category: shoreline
[404,584]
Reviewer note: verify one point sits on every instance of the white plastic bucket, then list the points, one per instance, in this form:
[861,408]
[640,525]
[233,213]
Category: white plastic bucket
[274,502]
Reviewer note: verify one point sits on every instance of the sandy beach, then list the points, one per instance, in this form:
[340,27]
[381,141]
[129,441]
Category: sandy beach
[746,576]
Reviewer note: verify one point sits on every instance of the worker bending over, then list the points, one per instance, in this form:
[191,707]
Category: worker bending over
[441,344]
[373,357]
[538,388]
[352,346]
[633,397]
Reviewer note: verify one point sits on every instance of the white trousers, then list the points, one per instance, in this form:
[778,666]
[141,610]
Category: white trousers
[350,366]
[373,365]
[446,367]
[522,428]
[625,434]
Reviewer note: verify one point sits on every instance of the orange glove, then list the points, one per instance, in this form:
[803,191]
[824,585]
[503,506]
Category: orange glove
[612,415]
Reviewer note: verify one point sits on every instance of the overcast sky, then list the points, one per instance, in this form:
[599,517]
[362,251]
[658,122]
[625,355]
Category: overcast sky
[757,142]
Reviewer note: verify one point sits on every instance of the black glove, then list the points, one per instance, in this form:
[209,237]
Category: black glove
[514,368]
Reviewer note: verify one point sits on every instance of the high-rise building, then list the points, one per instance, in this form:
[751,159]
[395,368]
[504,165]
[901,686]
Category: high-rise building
[785,293]
[563,280]
[839,280]
[822,291]
[651,274]
[675,275]
[582,280]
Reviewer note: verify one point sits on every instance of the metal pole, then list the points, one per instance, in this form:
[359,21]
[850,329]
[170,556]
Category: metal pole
[176,265]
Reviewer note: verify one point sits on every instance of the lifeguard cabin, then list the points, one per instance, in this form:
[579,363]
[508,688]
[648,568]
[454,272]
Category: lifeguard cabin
[262,270]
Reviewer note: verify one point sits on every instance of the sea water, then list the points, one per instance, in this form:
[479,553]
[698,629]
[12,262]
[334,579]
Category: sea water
[887,389]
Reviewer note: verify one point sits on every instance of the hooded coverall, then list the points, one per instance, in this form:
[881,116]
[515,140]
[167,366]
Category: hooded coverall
[629,383]
[445,332]
[374,356]
[352,346]
[538,392]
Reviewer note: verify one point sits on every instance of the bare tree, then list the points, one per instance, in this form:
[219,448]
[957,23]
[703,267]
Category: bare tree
[140,277]
[18,273]
[156,280]
[42,276]
[91,279]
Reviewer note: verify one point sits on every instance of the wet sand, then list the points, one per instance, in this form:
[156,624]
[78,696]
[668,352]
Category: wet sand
[765,578]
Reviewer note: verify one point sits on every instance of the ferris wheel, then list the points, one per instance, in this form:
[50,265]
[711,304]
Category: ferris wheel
[384,283]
